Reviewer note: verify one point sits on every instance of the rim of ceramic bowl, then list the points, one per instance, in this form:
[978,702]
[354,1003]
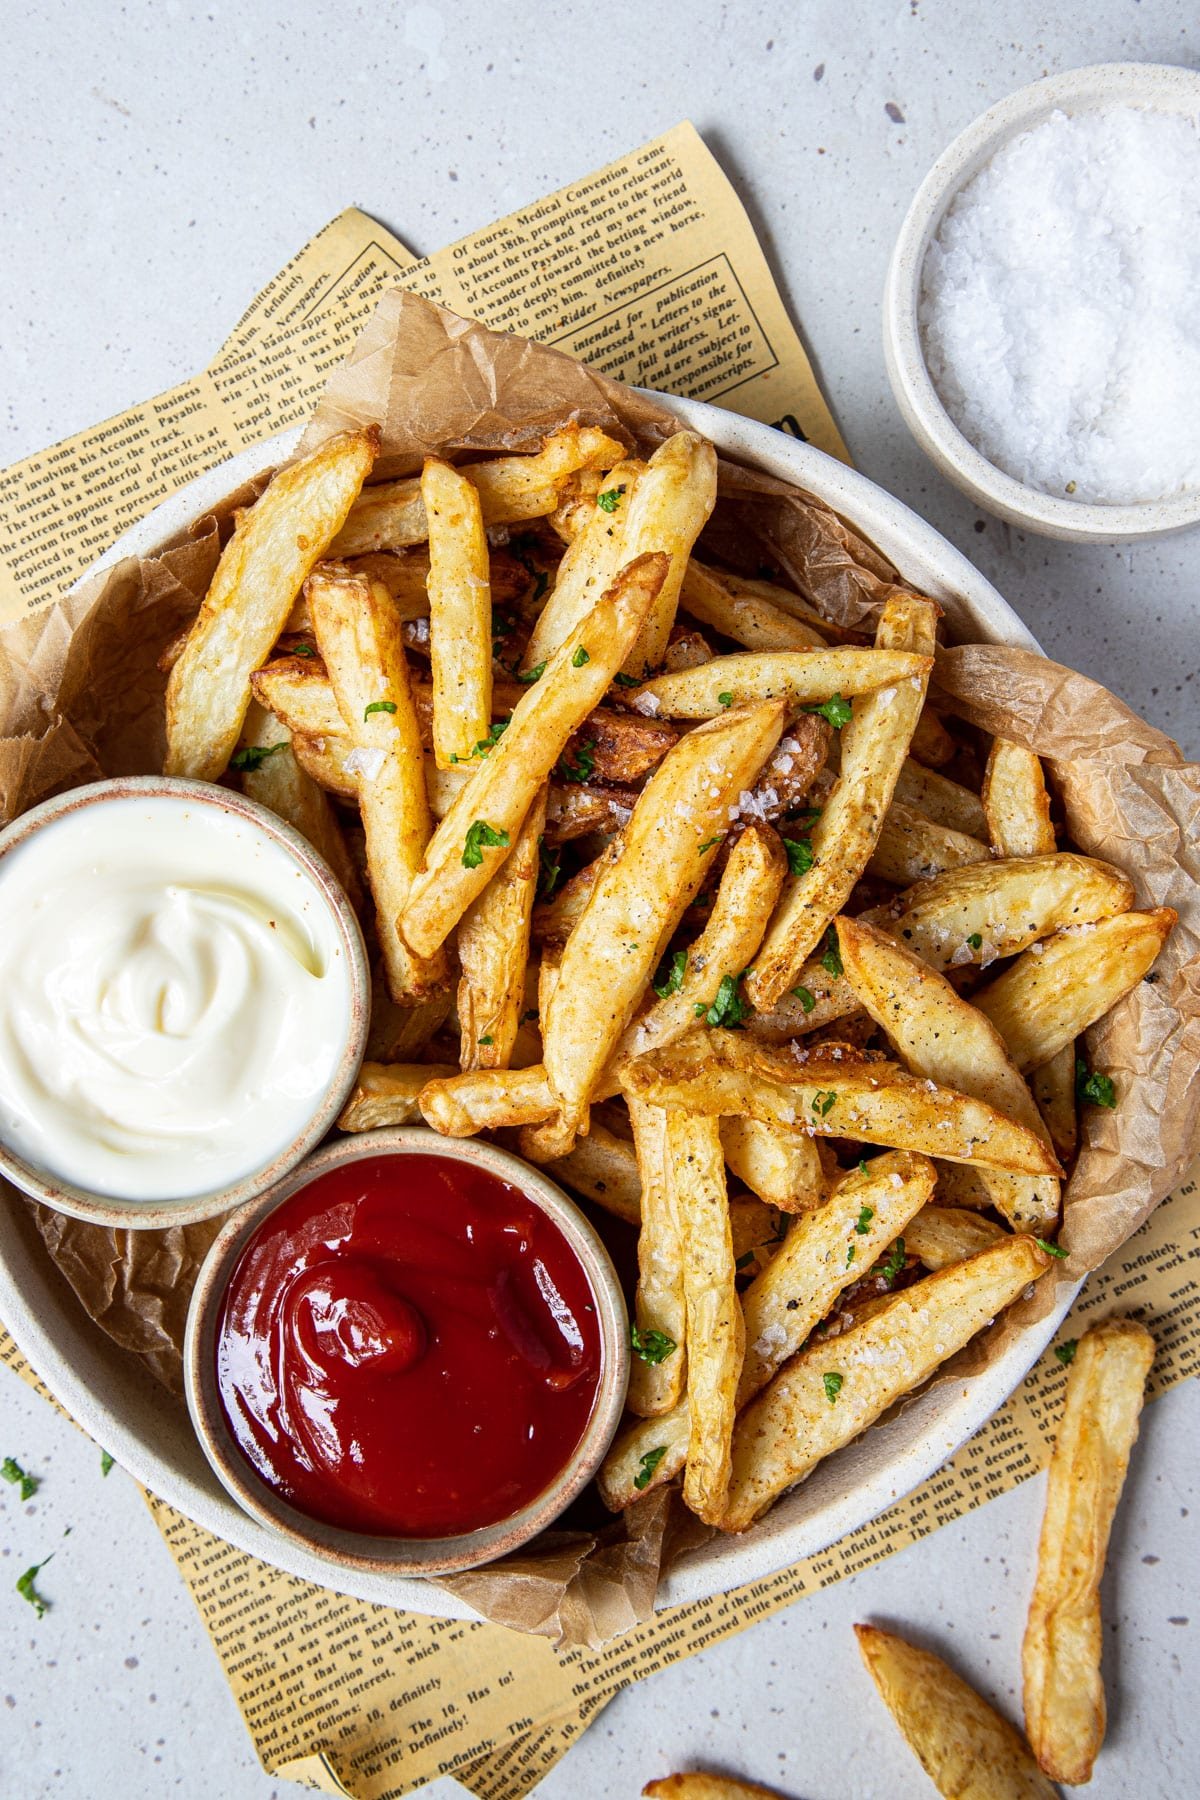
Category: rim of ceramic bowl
[145,1215]
[387,1554]
[1161,87]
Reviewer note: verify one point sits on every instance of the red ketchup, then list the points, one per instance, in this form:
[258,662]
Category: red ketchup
[408,1346]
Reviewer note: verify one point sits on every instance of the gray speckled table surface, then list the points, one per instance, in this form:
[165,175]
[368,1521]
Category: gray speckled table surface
[161,162]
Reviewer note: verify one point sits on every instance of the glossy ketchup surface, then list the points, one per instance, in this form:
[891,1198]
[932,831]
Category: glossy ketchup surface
[408,1346]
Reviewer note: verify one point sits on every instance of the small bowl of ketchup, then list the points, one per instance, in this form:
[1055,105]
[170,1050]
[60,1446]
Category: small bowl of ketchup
[410,1355]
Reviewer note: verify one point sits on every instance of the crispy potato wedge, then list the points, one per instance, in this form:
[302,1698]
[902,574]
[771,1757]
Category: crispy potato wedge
[943,1037]
[964,1745]
[779,1163]
[404,573]
[801,677]
[756,1230]
[825,1252]
[913,848]
[973,915]
[391,515]
[1053,1088]
[460,613]
[669,508]
[658,1370]
[493,950]
[960,1185]
[747,618]
[1016,803]
[706,1787]
[817,999]
[478,831]
[874,745]
[826,1395]
[931,742]
[1057,988]
[623,746]
[400,1033]
[577,811]
[1064,1692]
[486,1100]
[941,1235]
[359,638]
[594,555]
[261,571]
[645,1454]
[554,920]
[944,801]
[604,1168]
[696,1172]
[725,1073]
[387,1093]
[271,775]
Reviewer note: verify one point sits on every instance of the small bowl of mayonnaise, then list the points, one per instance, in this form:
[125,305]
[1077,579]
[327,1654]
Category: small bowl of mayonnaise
[186,1001]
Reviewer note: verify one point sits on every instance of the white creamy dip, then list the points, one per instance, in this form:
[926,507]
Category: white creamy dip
[174,998]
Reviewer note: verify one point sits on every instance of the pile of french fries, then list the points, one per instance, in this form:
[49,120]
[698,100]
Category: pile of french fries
[695,895]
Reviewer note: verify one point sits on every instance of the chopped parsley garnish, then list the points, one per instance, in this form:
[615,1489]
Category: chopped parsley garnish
[831,956]
[708,844]
[15,1475]
[976,940]
[626,680]
[580,657]
[823,1102]
[1092,1087]
[495,733]
[653,1457]
[387,706]
[865,1215]
[106,1462]
[836,710]
[1051,1249]
[534,674]
[652,1346]
[850,1255]
[892,1263]
[550,871]
[799,854]
[302,650]
[725,699]
[1066,1352]
[833,1385]
[481,836]
[28,1591]
[728,1009]
[607,501]
[486,1039]
[672,981]
[255,755]
[584,765]
[807,1000]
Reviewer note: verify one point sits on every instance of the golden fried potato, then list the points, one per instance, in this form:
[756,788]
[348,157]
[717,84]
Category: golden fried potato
[779,1163]
[387,1094]
[801,677]
[941,1235]
[645,1454]
[746,618]
[486,1100]
[594,555]
[669,508]
[272,775]
[706,1787]
[912,847]
[604,1168]
[1053,1087]
[944,801]
[1016,802]
[493,950]
[658,1370]
[460,613]
[932,744]
[994,909]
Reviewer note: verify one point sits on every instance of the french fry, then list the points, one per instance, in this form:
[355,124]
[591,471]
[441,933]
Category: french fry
[261,571]
[554,920]
[1064,1691]
[943,1037]
[965,1747]
[669,509]
[460,613]
[486,1100]
[817,999]
[645,1454]
[960,1185]
[995,909]
[391,515]
[493,949]
[1053,1088]
[706,1787]
[386,1094]
[603,1168]
[359,638]
[747,618]
[931,742]
[824,1252]
[636,904]
[404,574]
[800,677]
[696,1172]
[272,776]
[400,1033]
[657,1373]
[589,567]
[1059,987]
[746,896]
[941,1235]
[874,744]
[472,840]
[1016,803]
[779,1163]
[826,1395]
[913,848]
[944,801]
[756,1231]
[724,1073]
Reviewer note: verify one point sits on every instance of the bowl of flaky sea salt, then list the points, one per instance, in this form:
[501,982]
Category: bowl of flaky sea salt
[1042,306]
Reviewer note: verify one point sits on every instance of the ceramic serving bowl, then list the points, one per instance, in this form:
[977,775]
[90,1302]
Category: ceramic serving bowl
[244,822]
[151,1435]
[1153,86]
[341,1551]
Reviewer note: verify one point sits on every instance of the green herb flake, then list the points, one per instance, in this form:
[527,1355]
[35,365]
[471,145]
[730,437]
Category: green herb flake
[534,674]
[1091,1087]
[1066,1352]
[976,940]
[799,854]
[850,1255]
[486,1039]
[728,1010]
[838,711]
[708,844]
[27,1590]
[607,502]
[831,959]
[481,836]
[865,1214]
[626,681]
[549,870]
[580,657]
[725,699]
[1051,1249]
[833,1385]
[652,1346]
[255,755]
[106,1462]
[583,767]
[670,983]
[892,1264]
[387,706]
[302,650]
[651,1459]
[15,1475]
[807,1000]
[823,1103]
[495,733]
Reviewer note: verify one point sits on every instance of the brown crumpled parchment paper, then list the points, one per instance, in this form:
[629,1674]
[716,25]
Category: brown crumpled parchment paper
[81,697]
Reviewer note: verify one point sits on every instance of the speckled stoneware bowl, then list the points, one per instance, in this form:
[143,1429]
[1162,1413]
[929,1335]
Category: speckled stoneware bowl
[151,1435]
[145,1215]
[1156,87]
[340,1550]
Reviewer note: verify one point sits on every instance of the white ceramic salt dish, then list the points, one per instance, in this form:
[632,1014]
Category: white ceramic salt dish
[148,1431]
[1155,87]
